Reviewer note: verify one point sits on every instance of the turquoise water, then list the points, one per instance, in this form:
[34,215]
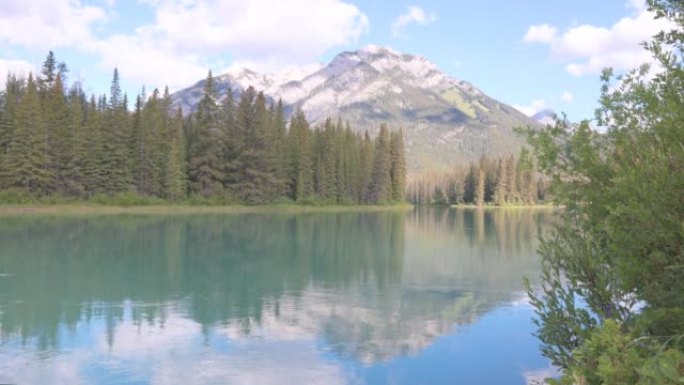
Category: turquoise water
[429,296]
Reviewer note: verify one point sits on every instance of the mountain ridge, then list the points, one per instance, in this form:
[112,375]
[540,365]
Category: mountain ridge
[446,121]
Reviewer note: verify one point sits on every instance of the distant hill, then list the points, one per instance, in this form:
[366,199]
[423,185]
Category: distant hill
[446,121]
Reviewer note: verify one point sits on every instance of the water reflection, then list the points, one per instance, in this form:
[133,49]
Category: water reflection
[148,298]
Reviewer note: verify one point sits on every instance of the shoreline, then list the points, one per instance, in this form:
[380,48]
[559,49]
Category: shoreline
[86,209]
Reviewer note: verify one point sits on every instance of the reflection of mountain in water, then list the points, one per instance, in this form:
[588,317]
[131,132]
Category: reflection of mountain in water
[372,285]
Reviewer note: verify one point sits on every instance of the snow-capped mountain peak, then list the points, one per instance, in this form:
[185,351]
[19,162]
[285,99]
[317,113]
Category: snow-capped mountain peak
[443,116]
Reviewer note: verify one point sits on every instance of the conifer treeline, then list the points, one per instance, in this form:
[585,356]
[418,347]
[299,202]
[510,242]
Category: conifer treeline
[502,181]
[55,142]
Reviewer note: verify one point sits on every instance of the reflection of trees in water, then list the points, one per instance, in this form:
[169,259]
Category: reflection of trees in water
[484,250]
[458,265]
[372,285]
[214,268]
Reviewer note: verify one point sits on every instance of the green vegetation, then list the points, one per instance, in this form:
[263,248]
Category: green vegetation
[454,96]
[507,181]
[57,146]
[611,306]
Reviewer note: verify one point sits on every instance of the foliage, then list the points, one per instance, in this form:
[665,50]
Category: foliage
[508,180]
[55,145]
[611,309]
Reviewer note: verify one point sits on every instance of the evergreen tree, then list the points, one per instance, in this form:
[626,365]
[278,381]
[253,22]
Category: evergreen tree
[115,160]
[480,188]
[511,186]
[256,181]
[205,150]
[93,168]
[380,187]
[278,150]
[13,90]
[72,171]
[501,184]
[352,169]
[25,161]
[398,166]
[59,137]
[470,185]
[301,168]
[232,142]
[175,183]
[366,165]
[48,72]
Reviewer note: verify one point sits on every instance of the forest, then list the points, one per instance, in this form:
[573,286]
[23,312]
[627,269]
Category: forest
[508,180]
[56,143]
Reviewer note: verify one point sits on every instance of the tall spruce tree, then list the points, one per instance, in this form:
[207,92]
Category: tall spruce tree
[366,166]
[380,186]
[398,165]
[13,90]
[205,150]
[300,149]
[25,161]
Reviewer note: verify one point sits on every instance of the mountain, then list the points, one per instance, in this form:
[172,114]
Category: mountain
[446,121]
[545,117]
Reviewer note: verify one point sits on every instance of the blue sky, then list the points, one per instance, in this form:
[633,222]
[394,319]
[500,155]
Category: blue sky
[532,54]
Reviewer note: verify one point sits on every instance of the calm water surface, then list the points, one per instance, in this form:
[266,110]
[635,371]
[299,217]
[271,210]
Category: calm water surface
[421,297]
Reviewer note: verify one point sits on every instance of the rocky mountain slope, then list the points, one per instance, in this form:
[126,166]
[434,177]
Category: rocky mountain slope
[446,121]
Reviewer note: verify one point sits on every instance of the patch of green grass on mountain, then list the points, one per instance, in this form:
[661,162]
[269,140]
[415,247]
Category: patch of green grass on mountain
[454,96]
[481,106]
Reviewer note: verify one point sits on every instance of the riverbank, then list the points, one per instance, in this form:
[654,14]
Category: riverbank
[86,209]
[511,207]
[494,207]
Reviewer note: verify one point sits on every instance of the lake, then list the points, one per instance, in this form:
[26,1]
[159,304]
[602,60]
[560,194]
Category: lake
[426,296]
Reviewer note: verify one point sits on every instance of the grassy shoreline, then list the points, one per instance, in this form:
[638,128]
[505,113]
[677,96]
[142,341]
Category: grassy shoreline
[87,209]
[512,207]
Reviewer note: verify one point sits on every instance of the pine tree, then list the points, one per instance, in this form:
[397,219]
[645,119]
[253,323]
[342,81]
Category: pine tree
[93,172]
[48,72]
[24,163]
[279,150]
[480,189]
[300,149]
[366,165]
[59,137]
[501,183]
[231,141]
[470,185]
[137,145]
[352,169]
[13,90]
[72,172]
[398,166]
[205,154]
[116,156]
[175,183]
[255,182]
[511,180]
[380,187]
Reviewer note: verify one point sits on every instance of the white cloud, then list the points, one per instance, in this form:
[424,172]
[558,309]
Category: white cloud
[17,67]
[567,97]
[186,38]
[534,107]
[536,377]
[268,34]
[543,33]
[256,30]
[413,14]
[47,24]
[587,49]
[147,63]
